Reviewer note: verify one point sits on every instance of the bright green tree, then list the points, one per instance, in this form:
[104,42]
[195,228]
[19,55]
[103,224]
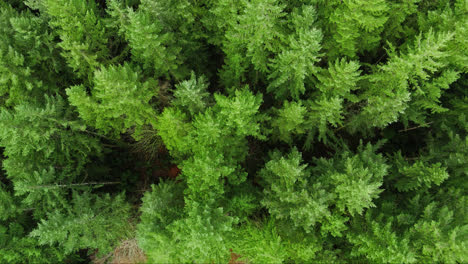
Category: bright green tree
[29,65]
[83,35]
[120,100]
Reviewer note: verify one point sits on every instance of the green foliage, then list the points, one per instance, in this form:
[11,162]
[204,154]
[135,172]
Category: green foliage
[295,65]
[450,17]
[150,45]
[402,74]
[119,101]
[249,238]
[340,79]
[335,92]
[82,33]
[418,175]
[161,206]
[45,147]
[219,141]
[277,246]
[289,121]
[201,236]
[269,131]
[380,243]
[342,186]
[425,231]
[167,233]
[241,201]
[250,39]
[450,246]
[7,204]
[173,127]
[286,194]
[164,36]
[29,65]
[91,222]
[357,179]
[191,95]
[15,247]
[356,26]
[216,139]
[30,128]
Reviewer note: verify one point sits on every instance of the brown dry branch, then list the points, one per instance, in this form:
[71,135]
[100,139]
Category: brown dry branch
[128,252]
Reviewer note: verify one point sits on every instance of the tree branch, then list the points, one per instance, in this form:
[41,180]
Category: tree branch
[412,128]
[74,184]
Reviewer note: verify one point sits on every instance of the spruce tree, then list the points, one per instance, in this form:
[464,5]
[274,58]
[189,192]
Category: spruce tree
[119,100]
[29,65]
[82,33]
[45,148]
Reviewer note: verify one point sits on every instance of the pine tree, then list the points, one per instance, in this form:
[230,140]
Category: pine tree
[290,195]
[407,234]
[120,100]
[17,247]
[343,186]
[449,16]
[29,65]
[164,36]
[191,95]
[299,57]
[91,222]
[83,35]
[251,39]
[216,140]
[402,77]
[418,175]
[219,138]
[167,233]
[173,127]
[44,148]
[289,121]
[356,26]
[250,237]
[201,236]
[161,206]
[380,242]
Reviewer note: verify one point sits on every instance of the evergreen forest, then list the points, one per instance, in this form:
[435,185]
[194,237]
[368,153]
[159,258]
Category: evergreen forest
[233,131]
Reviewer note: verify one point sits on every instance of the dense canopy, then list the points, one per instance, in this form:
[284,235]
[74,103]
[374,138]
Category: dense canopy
[221,131]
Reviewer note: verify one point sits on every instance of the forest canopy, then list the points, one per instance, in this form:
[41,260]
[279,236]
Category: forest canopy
[220,131]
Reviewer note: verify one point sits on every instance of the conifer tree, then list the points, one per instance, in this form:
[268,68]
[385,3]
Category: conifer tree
[343,186]
[251,40]
[300,55]
[44,148]
[29,65]
[402,77]
[17,247]
[161,206]
[217,141]
[120,100]
[219,138]
[91,222]
[8,207]
[191,95]
[82,33]
[289,121]
[164,36]
[356,26]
